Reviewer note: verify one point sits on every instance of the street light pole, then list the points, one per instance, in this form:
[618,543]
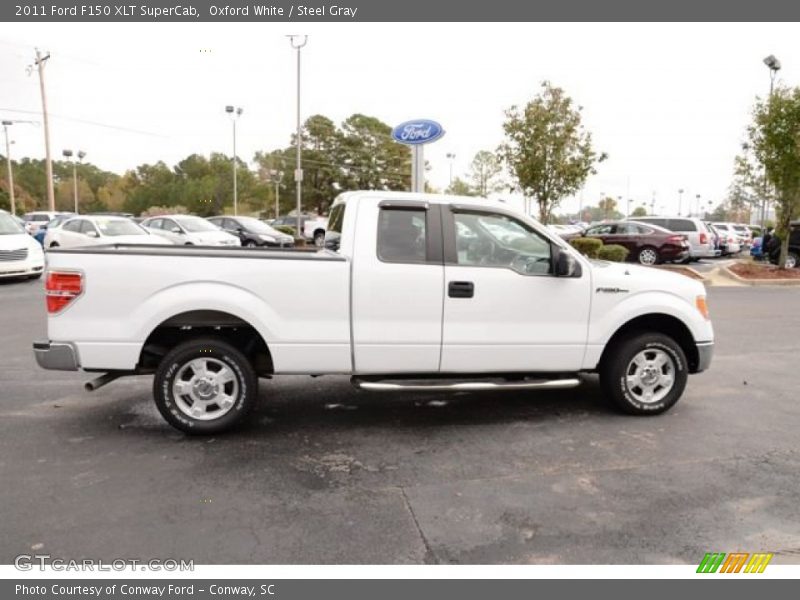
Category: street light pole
[276,178]
[235,114]
[774,65]
[451,156]
[68,155]
[680,201]
[697,197]
[10,169]
[298,171]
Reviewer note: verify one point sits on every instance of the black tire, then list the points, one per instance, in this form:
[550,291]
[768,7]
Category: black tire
[54,245]
[319,239]
[210,348]
[250,244]
[648,251]
[614,372]
[792,260]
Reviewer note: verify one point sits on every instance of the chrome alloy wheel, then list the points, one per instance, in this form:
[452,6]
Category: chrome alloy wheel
[648,257]
[650,375]
[205,389]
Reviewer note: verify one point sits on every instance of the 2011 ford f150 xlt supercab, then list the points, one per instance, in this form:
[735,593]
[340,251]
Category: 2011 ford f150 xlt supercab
[412,291]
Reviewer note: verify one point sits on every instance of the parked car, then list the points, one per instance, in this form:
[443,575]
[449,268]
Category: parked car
[20,255]
[34,220]
[793,257]
[420,294]
[647,244]
[53,224]
[745,233]
[252,232]
[720,240]
[313,228]
[565,231]
[87,230]
[734,240]
[188,230]
[695,230]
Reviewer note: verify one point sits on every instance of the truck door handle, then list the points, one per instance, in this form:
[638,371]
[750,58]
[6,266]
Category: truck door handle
[461,289]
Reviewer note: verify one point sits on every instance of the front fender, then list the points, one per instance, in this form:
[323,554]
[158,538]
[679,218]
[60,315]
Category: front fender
[609,313]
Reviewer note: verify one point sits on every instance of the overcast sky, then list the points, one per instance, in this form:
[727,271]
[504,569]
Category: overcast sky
[667,102]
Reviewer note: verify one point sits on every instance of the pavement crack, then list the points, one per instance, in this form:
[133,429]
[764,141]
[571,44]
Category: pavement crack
[430,556]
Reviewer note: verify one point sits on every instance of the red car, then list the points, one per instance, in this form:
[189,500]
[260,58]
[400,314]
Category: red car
[647,244]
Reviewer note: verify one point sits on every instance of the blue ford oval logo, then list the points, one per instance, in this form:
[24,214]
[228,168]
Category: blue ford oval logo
[419,131]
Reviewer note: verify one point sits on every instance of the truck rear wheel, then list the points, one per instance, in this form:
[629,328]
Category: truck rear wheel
[644,374]
[205,386]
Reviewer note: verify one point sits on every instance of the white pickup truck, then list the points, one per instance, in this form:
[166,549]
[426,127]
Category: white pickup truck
[419,292]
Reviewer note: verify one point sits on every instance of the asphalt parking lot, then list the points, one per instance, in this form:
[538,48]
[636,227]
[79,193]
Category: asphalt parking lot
[324,474]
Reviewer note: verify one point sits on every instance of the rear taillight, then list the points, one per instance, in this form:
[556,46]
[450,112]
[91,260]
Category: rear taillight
[676,239]
[703,238]
[61,288]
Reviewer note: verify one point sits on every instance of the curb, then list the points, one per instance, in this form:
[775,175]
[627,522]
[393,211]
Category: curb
[726,272]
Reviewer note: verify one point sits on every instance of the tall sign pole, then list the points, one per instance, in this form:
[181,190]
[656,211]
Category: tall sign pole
[297,44]
[416,134]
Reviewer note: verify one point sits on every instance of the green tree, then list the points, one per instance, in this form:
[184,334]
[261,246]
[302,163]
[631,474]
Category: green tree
[484,169]
[459,187]
[639,211]
[547,148]
[775,138]
[608,205]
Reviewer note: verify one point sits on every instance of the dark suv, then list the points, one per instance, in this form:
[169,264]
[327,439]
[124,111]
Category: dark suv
[793,258]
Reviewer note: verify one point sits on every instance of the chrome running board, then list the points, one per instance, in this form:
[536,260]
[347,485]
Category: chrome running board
[463,386]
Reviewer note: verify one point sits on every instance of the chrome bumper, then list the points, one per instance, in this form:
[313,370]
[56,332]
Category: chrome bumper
[58,356]
[705,350]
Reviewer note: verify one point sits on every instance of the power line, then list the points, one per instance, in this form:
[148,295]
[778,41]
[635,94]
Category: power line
[87,122]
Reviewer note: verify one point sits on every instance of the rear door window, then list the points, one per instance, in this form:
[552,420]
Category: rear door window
[74,226]
[402,235]
[681,225]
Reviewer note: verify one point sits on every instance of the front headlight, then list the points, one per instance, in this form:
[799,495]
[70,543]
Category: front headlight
[267,238]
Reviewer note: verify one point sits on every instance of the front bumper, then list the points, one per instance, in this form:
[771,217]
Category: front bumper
[57,356]
[705,350]
[22,268]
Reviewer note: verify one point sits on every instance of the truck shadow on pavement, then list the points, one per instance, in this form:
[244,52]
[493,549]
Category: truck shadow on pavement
[331,404]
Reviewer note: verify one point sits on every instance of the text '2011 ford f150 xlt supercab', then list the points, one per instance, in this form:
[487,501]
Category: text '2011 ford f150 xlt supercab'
[411,292]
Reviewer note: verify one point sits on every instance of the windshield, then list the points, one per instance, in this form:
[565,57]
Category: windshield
[8,226]
[256,226]
[114,227]
[196,224]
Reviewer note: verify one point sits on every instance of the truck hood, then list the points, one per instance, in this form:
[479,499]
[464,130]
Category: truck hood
[15,241]
[636,278]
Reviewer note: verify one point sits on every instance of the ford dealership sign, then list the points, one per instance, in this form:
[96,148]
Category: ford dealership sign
[420,131]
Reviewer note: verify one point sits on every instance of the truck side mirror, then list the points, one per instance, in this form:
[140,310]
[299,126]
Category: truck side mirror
[566,265]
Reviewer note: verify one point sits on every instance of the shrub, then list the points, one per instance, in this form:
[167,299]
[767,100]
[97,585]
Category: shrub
[589,247]
[613,252]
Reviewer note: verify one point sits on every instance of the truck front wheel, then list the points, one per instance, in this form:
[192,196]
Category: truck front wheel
[205,386]
[644,374]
